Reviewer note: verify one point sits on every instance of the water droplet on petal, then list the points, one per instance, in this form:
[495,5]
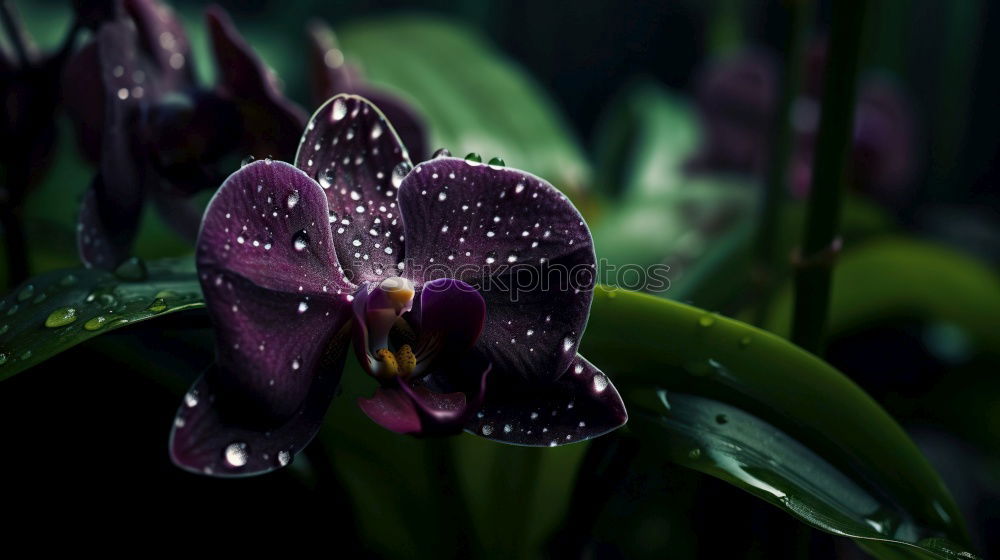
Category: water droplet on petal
[473,156]
[246,161]
[443,152]
[339,109]
[487,429]
[237,454]
[706,320]
[300,241]
[284,458]
[399,172]
[497,162]
[293,199]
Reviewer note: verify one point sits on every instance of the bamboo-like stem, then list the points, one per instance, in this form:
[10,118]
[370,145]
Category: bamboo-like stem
[768,260]
[820,242]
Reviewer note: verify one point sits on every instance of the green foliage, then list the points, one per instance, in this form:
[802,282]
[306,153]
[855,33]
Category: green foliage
[840,462]
[58,310]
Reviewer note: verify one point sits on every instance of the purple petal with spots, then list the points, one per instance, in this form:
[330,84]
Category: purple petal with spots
[271,123]
[163,38]
[355,155]
[502,231]
[278,304]
[580,405]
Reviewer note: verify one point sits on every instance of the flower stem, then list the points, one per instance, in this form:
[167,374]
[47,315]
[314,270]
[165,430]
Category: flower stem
[820,243]
[768,260]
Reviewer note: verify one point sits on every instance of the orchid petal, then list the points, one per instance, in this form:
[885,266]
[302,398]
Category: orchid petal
[353,152]
[280,310]
[502,231]
[580,405]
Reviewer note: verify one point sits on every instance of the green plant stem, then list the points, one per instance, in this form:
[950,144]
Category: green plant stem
[450,498]
[768,260]
[813,275]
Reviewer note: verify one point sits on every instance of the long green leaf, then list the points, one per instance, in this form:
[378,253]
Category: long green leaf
[60,309]
[475,100]
[780,403]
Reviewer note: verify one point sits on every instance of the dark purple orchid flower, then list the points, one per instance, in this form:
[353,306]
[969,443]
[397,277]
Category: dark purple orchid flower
[737,98]
[416,265]
[332,74]
[155,132]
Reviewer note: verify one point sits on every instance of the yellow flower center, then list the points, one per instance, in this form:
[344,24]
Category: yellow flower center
[401,363]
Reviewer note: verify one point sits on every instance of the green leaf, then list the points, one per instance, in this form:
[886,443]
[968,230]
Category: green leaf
[475,99]
[832,442]
[897,278]
[58,310]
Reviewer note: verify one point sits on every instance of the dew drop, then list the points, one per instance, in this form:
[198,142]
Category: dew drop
[158,305]
[96,323]
[442,152]
[474,157]
[293,199]
[300,241]
[600,383]
[497,162]
[191,399]
[26,292]
[246,161]
[721,419]
[61,317]
[326,179]
[339,109]
[487,429]
[399,172]
[237,454]
[442,196]
[284,458]
[303,307]
[706,320]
